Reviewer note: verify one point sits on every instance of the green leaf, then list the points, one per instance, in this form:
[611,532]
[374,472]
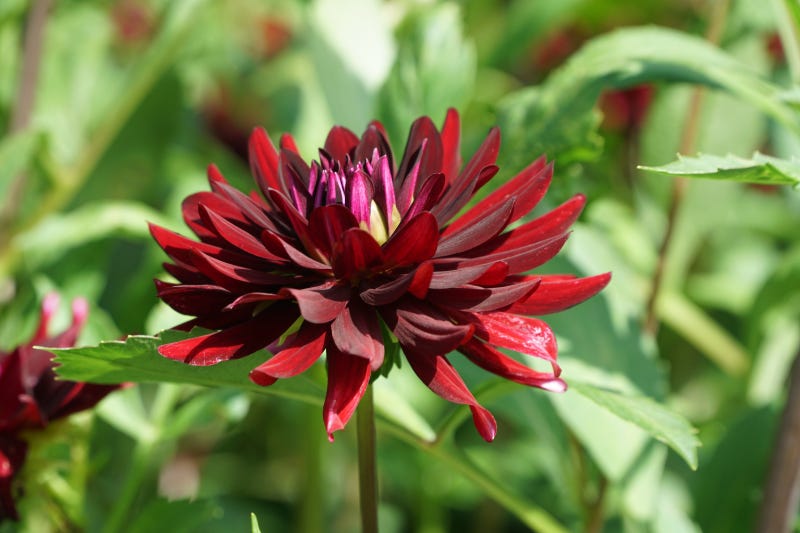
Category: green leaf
[556,117]
[661,423]
[137,360]
[254,523]
[761,169]
[16,152]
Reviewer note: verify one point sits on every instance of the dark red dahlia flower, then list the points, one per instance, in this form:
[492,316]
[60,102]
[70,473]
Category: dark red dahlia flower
[31,396]
[358,249]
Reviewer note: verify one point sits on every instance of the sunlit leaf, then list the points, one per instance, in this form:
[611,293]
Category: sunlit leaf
[760,169]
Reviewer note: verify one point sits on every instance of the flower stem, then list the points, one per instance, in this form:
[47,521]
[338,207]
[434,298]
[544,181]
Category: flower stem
[367,464]
[688,144]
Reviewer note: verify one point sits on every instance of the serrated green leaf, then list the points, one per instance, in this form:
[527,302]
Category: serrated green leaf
[661,423]
[760,169]
[137,360]
[556,117]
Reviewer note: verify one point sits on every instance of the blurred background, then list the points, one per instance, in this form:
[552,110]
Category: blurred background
[111,110]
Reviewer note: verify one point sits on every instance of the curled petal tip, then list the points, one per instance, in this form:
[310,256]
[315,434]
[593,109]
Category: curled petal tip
[80,311]
[554,385]
[261,378]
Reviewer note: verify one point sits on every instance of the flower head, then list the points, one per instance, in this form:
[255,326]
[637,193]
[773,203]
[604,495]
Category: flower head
[31,397]
[357,248]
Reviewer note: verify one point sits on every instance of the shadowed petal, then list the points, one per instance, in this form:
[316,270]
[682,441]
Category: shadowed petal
[440,376]
[237,237]
[415,282]
[235,277]
[458,276]
[413,242]
[498,363]
[357,331]
[233,342]
[348,377]
[419,326]
[483,228]
[423,133]
[193,299]
[374,138]
[327,224]
[556,294]
[294,356]
[355,253]
[483,299]
[323,303]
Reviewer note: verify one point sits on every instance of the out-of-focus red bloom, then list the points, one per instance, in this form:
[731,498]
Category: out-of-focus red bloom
[357,248]
[276,35]
[133,20]
[626,109]
[31,396]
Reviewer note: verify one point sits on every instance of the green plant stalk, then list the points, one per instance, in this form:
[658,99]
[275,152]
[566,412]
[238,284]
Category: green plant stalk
[143,456]
[786,19]
[367,463]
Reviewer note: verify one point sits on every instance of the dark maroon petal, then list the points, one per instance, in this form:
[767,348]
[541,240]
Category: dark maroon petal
[185,273]
[264,161]
[327,224]
[556,294]
[297,221]
[191,213]
[294,174]
[406,184]
[254,211]
[294,356]
[253,298]
[415,282]
[422,133]
[483,299]
[482,228]
[357,331]
[522,334]
[12,456]
[523,258]
[384,190]
[496,275]
[348,378]
[451,145]
[427,197]
[527,189]
[277,244]
[340,142]
[237,237]
[235,341]
[458,276]
[193,299]
[235,277]
[498,363]
[440,376]
[413,242]
[419,326]
[323,303]
[374,138]
[357,252]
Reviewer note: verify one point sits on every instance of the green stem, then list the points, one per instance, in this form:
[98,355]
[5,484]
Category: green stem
[785,19]
[367,463]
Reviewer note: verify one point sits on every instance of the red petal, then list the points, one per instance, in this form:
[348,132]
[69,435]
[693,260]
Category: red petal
[340,142]
[481,229]
[264,161]
[233,342]
[451,145]
[327,224]
[526,335]
[422,131]
[427,197]
[413,242]
[419,326]
[357,331]
[556,294]
[374,137]
[415,282]
[323,303]
[235,277]
[498,363]
[294,356]
[483,299]
[193,299]
[237,237]
[348,378]
[527,189]
[276,244]
[356,253]
[440,376]
[458,276]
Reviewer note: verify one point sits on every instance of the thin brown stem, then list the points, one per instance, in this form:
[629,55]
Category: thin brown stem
[25,100]
[782,489]
[594,524]
[687,145]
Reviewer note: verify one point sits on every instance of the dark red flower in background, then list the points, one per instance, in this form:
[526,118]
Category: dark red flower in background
[31,397]
[356,245]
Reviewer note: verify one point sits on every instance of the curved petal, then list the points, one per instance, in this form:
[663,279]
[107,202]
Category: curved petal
[327,224]
[348,378]
[340,142]
[440,376]
[483,299]
[357,331]
[500,364]
[323,303]
[294,356]
[554,295]
[421,327]
[193,300]
[413,242]
[264,161]
[482,228]
[356,253]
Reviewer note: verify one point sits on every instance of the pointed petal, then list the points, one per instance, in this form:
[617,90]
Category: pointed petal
[264,161]
[358,196]
[294,356]
[427,196]
[451,145]
[422,132]
[482,228]
[420,326]
[498,363]
[357,331]
[235,278]
[348,378]
[415,282]
[237,237]
[555,295]
[458,276]
[321,304]
[340,142]
[440,376]
[356,253]
[193,300]
[413,242]
[374,138]
[483,299]
[233,342]
[527,189]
